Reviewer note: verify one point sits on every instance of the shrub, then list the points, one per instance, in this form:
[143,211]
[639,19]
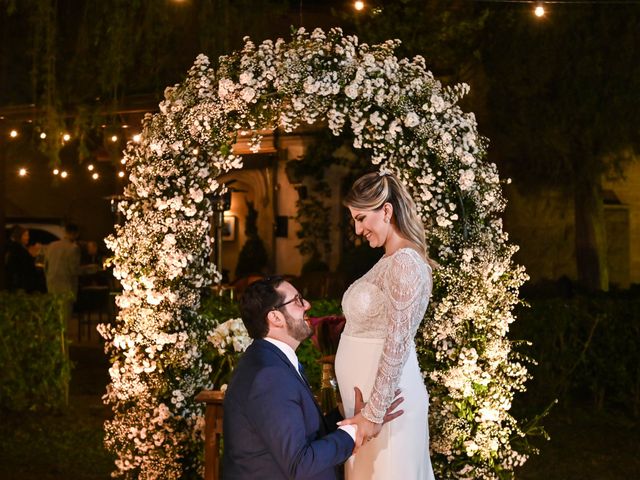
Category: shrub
[36,369]
[585,346]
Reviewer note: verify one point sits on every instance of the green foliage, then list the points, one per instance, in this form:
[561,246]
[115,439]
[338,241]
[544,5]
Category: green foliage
[322,308]
[61,444]
[445,32]
[313,215]
[555,125]
[219,308]
[33,352]
[313,212]
[86,57]
[309,356]
[586,347]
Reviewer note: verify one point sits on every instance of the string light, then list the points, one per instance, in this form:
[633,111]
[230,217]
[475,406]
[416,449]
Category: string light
[358,5]
[95,176]
[136,138]
[114,138]
[13,133]
[66,137]
[56,171]
[64,174]
[22,172]
[123,160]
[121,174]
[90,167]
[43,135]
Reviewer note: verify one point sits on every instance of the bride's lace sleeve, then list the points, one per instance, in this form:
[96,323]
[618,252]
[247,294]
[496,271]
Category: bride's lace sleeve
[404,284]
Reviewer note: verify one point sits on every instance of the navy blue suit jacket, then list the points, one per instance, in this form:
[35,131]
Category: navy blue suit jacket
[273,427]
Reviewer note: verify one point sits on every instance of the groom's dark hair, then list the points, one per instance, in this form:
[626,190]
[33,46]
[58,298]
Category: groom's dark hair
[257,301]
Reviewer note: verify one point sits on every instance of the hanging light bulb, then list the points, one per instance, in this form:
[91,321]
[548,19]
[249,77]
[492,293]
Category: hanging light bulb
[539,11]
[123,160]
[136,138]
[22,172]
[56,171]
[66,137]
[90,167]
[95,176]
[43,135]
[121,174]
[114,138]
[358,5]
[64,174]
[13,133]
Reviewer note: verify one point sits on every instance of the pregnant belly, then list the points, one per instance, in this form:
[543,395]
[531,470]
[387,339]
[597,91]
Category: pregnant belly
[357,362]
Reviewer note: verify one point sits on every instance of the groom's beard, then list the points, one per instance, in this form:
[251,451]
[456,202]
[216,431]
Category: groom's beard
[298,328]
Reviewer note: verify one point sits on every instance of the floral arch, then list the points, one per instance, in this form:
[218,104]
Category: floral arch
[408,123]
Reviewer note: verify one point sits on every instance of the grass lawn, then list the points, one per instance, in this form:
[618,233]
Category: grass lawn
[584,445]
[65,445]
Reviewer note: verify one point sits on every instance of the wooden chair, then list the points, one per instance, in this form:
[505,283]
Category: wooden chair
[212,431]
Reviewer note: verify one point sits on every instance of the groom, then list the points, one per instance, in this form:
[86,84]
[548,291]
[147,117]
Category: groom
[273,427]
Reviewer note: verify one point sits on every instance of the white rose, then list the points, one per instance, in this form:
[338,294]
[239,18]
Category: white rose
[154,298]
[248,94]
[196,194]
[351,91]
[437,103]
[489,415]
[225,86]
[411,120]
[246,78]
[470,447]
[466,179]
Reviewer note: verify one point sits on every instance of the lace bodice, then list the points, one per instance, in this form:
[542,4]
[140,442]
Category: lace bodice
[388,302]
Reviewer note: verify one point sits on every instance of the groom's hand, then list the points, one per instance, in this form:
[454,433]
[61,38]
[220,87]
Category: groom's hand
[390,414]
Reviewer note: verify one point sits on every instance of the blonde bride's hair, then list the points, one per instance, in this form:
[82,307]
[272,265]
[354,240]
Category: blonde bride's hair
[372,190]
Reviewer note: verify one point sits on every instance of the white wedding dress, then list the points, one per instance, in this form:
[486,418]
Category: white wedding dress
[377,354]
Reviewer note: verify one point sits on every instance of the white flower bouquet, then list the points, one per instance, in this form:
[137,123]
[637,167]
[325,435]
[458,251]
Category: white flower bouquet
[229,339]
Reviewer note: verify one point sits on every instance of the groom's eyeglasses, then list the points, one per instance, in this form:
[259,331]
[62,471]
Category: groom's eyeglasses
[298,299]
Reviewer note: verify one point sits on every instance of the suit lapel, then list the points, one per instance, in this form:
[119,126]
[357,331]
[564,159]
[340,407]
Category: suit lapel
[294,371]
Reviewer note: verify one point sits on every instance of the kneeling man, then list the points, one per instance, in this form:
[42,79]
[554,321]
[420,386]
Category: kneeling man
[273,426]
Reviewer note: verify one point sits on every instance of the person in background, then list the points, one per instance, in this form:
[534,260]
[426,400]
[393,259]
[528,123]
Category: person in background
[91,254]
[20,265]
[92,272]
[62,266]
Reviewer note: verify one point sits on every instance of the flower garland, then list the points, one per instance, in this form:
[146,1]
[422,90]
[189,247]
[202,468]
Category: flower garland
[409,124]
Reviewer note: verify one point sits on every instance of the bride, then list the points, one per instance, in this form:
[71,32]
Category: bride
[377,352]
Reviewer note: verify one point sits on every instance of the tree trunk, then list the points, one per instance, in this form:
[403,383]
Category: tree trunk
[590,239]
